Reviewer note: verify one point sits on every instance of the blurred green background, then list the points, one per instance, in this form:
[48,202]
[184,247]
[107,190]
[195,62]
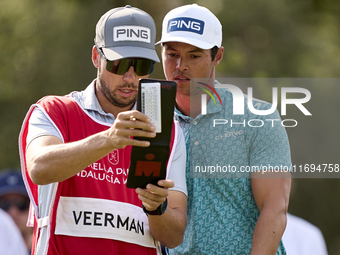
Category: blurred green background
[45,48]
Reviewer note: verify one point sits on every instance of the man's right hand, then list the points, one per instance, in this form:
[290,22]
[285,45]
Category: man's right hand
[131,124]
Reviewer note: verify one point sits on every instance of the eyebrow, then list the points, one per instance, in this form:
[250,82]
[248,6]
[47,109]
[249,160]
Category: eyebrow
[196,50]
[167,47]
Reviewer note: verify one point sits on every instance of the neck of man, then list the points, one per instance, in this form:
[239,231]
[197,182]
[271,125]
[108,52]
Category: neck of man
[190,104]
[183,104]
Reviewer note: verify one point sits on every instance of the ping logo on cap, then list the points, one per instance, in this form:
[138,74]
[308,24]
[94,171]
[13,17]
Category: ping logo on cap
[131,33]
[186,24]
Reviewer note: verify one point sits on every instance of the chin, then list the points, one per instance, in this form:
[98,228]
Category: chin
[184,91]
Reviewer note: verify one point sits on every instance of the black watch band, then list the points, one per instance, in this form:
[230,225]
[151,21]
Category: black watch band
[160,209]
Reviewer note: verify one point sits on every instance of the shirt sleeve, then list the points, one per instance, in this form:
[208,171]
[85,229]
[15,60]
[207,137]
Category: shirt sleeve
[269,146]
[178,165]
[40,125]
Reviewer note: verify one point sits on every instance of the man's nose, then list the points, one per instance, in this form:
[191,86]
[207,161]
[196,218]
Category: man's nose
[130,75]
[181,64]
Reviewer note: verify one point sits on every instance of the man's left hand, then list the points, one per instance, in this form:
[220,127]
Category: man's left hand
[153,196]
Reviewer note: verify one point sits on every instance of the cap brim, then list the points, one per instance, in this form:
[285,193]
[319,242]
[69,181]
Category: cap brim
[197,43]
[116,53]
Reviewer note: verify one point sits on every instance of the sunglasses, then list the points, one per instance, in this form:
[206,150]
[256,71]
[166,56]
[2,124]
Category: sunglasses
[21,205]
[141,66]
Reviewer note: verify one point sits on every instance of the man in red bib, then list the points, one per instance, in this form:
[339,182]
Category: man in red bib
[75,153]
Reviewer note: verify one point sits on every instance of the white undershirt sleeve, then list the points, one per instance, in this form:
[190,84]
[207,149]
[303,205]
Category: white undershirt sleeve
[178,165]
[40,125]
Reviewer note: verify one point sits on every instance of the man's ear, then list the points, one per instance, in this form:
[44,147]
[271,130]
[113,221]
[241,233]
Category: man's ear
[95,56]
[219,56]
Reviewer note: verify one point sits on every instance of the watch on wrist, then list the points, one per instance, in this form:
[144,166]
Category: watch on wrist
[160,209]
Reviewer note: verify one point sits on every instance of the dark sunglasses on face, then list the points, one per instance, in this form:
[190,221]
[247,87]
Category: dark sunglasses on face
[141,66]
[21,205]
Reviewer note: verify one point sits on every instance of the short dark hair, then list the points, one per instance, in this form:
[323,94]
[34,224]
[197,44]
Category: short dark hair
[213,52]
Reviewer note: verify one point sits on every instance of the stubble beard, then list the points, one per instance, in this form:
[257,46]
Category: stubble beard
[111,96]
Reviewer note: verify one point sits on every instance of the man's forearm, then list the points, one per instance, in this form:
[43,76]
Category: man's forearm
[268,232]
[57,162]
[169,227]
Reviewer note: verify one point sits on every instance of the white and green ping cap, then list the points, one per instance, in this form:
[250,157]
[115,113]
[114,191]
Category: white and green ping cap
[192,24]
[126,32]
